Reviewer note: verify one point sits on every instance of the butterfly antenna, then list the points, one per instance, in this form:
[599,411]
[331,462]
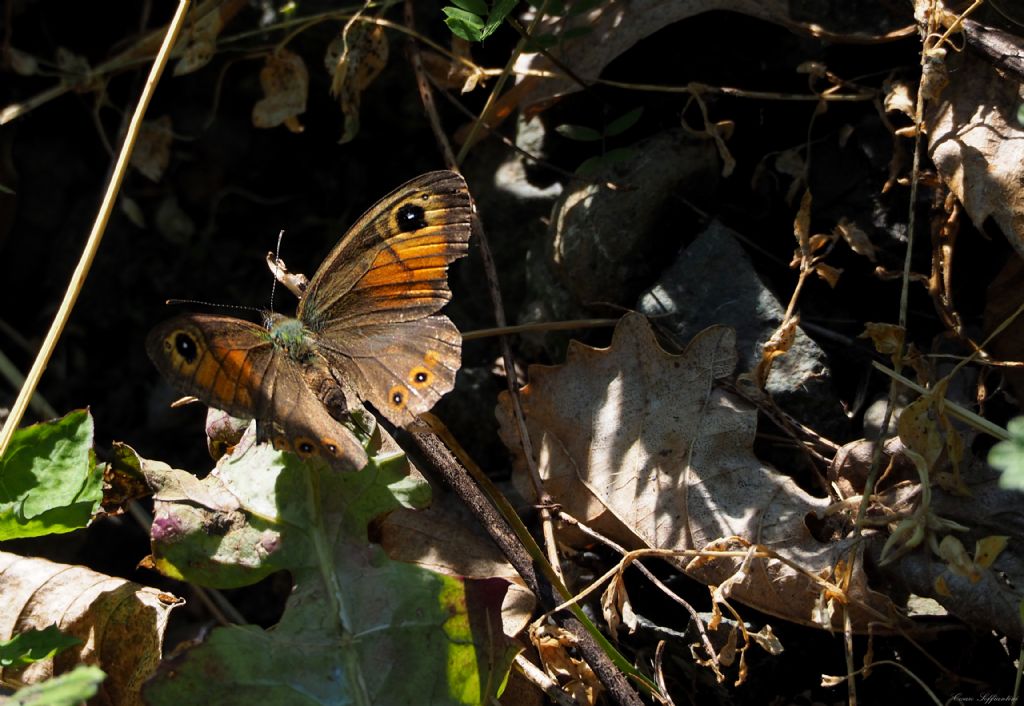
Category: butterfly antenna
[277,261]
[234,307]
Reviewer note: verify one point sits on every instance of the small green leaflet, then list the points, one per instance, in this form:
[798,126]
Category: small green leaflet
[466,18]
[34,645]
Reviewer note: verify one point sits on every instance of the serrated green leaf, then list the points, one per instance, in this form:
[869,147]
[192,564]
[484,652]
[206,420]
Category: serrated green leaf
[1008,456]
[358,627]
[34,645]
[71,689]
[623,122]
[464,25]
[476,7]
[580,133]
[49,481]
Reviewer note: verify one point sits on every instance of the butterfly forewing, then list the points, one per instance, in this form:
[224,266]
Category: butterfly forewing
[223,361]
[392,264]
[234,365]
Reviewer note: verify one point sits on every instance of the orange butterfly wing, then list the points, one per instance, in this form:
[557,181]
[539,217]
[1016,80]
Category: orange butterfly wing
[371,305]
[234,365]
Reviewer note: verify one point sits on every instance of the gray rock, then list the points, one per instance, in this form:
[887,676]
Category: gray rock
[714,282]
[605,244]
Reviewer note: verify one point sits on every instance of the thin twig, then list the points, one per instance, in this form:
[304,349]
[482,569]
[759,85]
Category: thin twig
[594,647]
[694,617]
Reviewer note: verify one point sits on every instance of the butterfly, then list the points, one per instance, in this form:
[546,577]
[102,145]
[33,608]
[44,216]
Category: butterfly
[366,329]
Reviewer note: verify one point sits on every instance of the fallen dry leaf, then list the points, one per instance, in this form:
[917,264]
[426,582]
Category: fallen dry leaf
[121,623]
[977,145]
[648,436]
[354,59]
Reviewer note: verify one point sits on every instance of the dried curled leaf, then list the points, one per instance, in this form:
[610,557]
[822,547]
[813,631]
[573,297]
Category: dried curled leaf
[887,338]
[285,83]
[975,142]
[153,147]
[556,649]
[856,238]
[200,37]
[120,624]
[354,59]
[779,344]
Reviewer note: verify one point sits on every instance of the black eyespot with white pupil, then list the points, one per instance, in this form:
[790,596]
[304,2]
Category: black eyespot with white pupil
[305,447]
[410,217]
[396,397]
[421,377]
[186,347]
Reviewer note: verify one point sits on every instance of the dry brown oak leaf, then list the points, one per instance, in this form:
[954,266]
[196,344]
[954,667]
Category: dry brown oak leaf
[646,437]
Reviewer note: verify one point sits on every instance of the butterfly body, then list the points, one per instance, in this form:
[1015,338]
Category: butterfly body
[292,337]
[366,329]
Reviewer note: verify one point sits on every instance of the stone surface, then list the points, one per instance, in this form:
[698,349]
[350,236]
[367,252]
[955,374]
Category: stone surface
[714,282]
[608,236]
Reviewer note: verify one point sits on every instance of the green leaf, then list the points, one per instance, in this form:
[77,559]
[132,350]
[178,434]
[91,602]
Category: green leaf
[618,156]
[71,689]
[1008,456]
[49,481]
[34,645]
[580,133]
[590,166]
[464,25]
[497,16]
[596,165]
[476,7]
[623,123]
[358,627]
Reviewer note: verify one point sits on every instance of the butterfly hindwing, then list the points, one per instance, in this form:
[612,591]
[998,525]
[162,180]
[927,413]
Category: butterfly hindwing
[400,374]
